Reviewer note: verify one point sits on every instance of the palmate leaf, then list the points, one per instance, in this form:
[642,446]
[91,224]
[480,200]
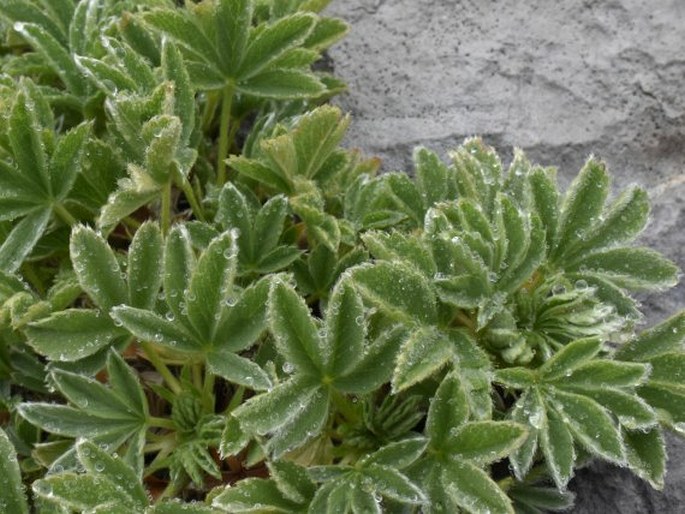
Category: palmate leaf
[109,415]
[259,231]
[347,489]
[218,38]
[661,347]
[577,397]
[108,484]
[337,362]
[451,471]
[40,179]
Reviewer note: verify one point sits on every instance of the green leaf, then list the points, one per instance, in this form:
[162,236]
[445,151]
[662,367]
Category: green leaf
[295,333]
[528,411]
[344,326]
[603,373]
[65,163]
[93,397]
[669,367]
[646,453]
[668,336]
[100,463]
[183,29]
[292,480]
[120,204]
[431,176]
[583,203]
[400,247]
[519,378]
[81,492]
[72,334]
[317,134]
[179,263]
[125,382]
[631,410]
[398,454]
[282,84]
[212,283]
[148,326]
[669,401]
[326,32]
[272,41]
[624,220]
[397,290]
[546,199]
[243,321]
[71,422]
[392,484]
[556,443]
[423,353]
[234,211]
[631,268]
[22,239]
[240,498]
[260,172]
[375,366]
[590,423]
[144,266]
[485,442]
[108,78]
[449,409]
[184,95]
[473,490]
[12,497]
[238,370]
[97,268]
[179,507]
[268,224]
[233,438]
[304,424]
[570,357]
[268,411]
[57,56]
[233,21]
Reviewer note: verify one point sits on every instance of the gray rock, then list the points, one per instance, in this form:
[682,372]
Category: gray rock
[561,80]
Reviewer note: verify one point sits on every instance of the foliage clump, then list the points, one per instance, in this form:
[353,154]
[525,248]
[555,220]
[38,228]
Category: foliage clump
[208,305]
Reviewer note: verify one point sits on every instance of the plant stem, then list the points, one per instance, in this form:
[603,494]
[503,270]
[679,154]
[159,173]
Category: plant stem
[64,214]
[161,368]
[224,133]
[161,423]
[196,206]
[166,208]
[236,399]
[208,390]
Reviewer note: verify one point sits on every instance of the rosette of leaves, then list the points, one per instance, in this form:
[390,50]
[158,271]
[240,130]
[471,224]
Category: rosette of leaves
[489,253]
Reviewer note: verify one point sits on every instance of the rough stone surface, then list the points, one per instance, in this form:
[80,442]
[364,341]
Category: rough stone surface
[561,80]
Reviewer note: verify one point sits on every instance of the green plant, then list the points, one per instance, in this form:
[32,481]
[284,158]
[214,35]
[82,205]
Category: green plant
[208,305]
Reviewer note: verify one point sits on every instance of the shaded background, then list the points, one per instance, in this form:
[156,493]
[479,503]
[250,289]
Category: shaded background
[561,80]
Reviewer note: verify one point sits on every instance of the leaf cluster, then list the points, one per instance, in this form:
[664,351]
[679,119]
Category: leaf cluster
[207,304]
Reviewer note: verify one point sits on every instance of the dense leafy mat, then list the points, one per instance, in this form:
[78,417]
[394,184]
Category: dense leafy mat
[208,305]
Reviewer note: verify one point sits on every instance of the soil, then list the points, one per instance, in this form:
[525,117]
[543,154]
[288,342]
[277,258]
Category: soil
[561,80]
